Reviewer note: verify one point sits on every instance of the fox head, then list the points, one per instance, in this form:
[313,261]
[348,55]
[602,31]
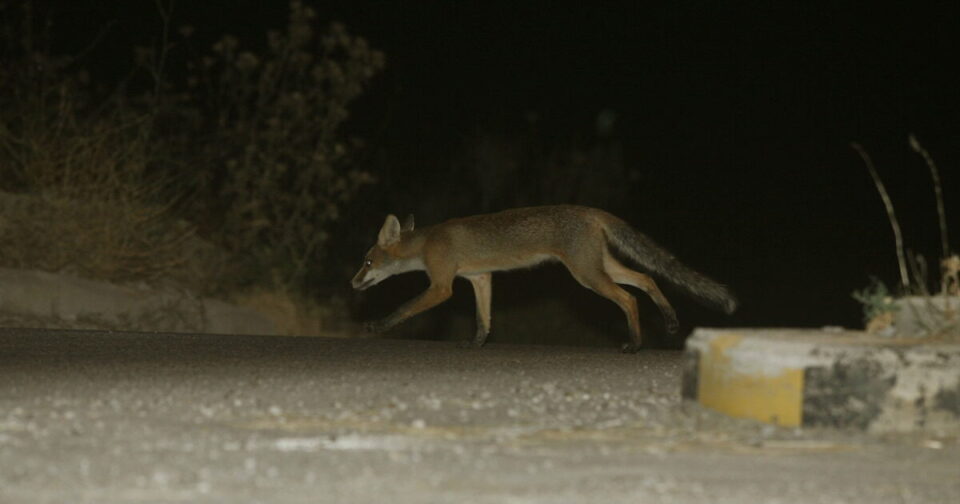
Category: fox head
[383,260]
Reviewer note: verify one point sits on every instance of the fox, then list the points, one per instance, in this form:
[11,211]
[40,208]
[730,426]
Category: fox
[589,242]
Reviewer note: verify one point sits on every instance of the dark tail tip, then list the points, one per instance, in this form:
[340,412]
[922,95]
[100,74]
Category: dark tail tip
[721,297]
[730,305]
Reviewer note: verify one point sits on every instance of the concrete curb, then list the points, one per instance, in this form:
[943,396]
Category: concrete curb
[87,303]
[846,379]
[923,316]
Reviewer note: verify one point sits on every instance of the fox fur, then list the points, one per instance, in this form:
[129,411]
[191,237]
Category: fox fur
[581,238]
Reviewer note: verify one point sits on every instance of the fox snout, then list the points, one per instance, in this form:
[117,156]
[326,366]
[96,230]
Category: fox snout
[363,285]
[368,276]
[361,281]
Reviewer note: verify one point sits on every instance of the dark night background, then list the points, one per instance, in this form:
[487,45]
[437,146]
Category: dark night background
[732,128]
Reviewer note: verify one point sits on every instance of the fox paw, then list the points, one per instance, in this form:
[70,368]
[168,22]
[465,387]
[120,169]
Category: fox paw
[470,343]
[630,348]
[672,325]
[376,326]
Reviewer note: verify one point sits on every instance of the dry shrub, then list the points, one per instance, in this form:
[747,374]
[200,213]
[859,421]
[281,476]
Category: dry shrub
[78,195]
[278,162]
[91,209]
[250,144]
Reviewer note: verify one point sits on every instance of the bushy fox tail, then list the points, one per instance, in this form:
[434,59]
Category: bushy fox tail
[661,263]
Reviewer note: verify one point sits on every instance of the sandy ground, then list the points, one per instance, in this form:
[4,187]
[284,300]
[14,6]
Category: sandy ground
[124,417]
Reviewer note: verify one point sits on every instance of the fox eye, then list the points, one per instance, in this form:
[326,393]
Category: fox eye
[368,262]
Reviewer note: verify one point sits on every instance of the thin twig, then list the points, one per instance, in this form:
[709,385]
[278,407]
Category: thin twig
[937,191]
[918,268]
[891,215]
[159,64]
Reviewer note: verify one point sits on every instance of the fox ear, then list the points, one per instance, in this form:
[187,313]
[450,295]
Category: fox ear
[408,223]
[390,232]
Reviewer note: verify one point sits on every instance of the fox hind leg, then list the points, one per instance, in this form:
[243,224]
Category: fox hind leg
[598,280]
[626,276]
[482,291]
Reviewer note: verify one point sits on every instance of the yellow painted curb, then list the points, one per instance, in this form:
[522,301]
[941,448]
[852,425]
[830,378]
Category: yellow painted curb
[825,378]
[761,395]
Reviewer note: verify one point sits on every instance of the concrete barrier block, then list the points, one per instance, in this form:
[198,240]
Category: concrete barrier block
[828,378]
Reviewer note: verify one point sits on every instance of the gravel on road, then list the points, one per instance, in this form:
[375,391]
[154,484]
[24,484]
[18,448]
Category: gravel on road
[110,417]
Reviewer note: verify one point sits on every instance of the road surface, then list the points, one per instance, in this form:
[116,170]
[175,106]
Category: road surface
[126,417]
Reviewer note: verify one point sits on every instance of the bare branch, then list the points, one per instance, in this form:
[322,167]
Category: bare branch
[937,191]
[891,215]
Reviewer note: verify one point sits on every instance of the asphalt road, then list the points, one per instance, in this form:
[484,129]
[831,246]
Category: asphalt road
[124,417]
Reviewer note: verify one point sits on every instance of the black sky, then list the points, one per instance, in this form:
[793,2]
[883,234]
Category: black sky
[737,115]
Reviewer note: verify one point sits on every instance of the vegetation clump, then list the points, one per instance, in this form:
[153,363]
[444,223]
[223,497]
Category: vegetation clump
[226,169]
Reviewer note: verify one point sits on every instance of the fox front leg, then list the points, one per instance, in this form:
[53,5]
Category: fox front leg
[378,326]
[434,295]
[482,291]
